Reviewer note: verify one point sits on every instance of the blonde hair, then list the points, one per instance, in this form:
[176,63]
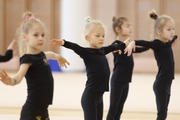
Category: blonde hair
[117,22]
[25,26]
[160,22]
[91,25]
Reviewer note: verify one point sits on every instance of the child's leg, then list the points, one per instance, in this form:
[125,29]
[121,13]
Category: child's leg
[118,95]
[34,112]
[162,90]
[122,100]
[99,98]
[90,102]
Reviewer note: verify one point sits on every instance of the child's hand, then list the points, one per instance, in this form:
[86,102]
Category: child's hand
[129,48]
[12,45]
[174,40]
[62,62]
[118,51]
[127,41]
[174,43]
[56,42]
[5,78]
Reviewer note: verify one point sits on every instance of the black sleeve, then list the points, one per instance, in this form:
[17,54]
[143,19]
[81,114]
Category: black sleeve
[75,47]
[8,55]
[113,47]
[141,49]
[155,44]
[174,38]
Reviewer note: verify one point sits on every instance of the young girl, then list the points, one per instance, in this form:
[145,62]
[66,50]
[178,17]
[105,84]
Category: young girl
[9,52]
[35,68]
[96,66]
[161,46]
[123,67]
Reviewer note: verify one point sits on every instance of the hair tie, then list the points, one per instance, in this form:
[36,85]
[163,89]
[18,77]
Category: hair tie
[88,19]
[155,17]
[28,17]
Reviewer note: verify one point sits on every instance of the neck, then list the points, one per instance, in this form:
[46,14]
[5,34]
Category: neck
[162,39]
[32,51]
[122,38]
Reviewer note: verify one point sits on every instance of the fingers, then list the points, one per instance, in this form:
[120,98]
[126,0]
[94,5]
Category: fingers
[120,52]
[3,75]
[134,49]
[12,44]
[63,63]
[55,42]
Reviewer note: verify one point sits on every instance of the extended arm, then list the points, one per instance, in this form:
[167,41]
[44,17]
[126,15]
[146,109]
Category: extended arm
[8,55]
[70,45]
[140,49]
[61,60]
[9,52]
[17,78]
[114,47]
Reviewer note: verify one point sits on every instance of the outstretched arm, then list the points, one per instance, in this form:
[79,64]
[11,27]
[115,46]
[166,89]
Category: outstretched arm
[9,53]
[6,79]
[70,45]
[57,42]
[61,60]
[130,48]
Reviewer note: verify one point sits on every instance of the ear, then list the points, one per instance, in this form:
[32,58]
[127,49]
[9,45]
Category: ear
[117,29]
[159,32]
[24,37]
[87,37]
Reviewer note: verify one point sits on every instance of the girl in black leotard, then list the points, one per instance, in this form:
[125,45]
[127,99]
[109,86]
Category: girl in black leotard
[35,68]
[97,68]
[123,68]
[161,46]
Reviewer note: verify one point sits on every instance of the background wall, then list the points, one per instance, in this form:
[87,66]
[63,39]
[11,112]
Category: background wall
[52,12]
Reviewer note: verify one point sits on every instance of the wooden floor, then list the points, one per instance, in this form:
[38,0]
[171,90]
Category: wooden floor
[68,88]
[60,114]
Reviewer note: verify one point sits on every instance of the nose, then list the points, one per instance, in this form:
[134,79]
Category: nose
[41,38]
[102,38]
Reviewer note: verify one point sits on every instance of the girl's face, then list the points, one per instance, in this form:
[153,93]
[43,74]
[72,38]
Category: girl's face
[35,38]
[96,37]
[168,31]
[126,29]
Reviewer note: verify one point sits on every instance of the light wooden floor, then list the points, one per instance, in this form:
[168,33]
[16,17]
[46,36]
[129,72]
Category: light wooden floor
[62,114]
[68,88]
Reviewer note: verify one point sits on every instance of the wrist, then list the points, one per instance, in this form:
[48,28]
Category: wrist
[14,81]
[63,41]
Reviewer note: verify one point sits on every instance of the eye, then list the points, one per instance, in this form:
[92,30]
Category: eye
[169,29]
[43,35]
[97,36]
[36,35]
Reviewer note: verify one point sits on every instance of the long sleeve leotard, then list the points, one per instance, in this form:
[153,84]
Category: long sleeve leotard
[96,63]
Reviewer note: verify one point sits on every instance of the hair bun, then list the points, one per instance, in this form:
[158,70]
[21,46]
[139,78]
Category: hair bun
[27,15]
[88,19]
[113,18]
[153,15]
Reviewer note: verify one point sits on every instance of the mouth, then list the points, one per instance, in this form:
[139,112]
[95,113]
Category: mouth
[40,44]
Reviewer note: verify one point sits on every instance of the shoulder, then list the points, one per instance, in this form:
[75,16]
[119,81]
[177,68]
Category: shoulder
[29,58]
[157,41]
[117,42]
